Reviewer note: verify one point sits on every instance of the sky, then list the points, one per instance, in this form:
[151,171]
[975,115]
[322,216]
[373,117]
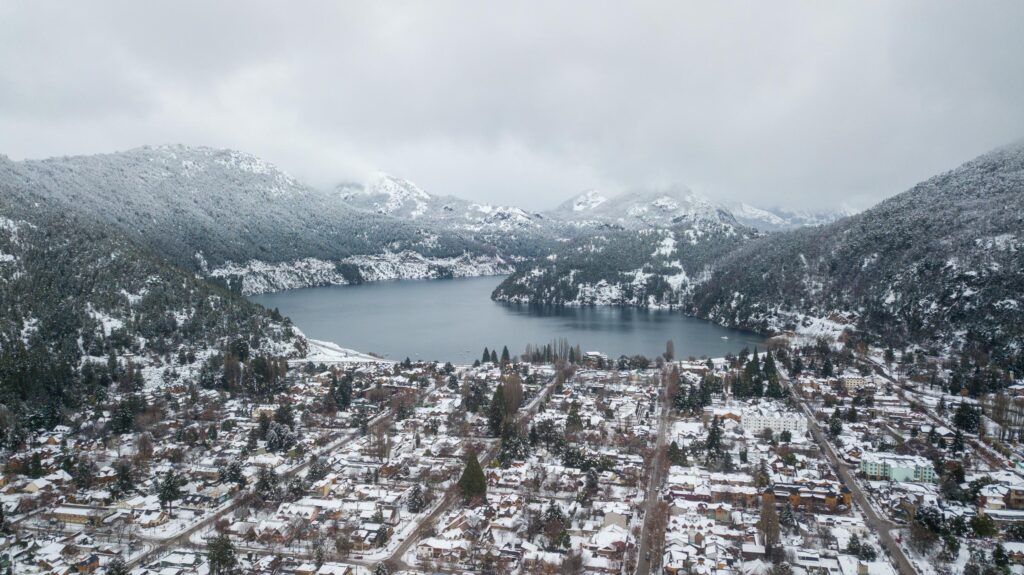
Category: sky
[805,105]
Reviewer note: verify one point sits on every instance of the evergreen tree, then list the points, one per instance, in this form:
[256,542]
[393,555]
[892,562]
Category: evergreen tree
[835,424]
[117,566]
[1000,558]
[415,501]
[220,553]
[487,356]
[958,442]
[169,490]
[853,547]
[966,417]
[472,483]
[713,443]
[496,411]
[505,358]
[574,423]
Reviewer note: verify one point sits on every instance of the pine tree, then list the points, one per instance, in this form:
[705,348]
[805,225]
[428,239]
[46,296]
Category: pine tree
[853,547]
[835,424]
[505,358]
[574,423]
[472,483]
[958,442]
[221,555]
[713,443]
[117,566]
[1000,558]
[169,491]
[486,356]
[496,411]
[415,501]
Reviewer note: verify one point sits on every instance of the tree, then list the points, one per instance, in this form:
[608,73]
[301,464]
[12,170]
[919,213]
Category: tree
[317,469]
[472,483]
[853,547]
[415,501]
[835,424]
[505,357]
[125,477]
[381,569]
[573,422]
[285,415]
[983,526]
[769,522]
[966,417]
[670,350]
[266,483]
[233,473]
[220,553]
[496,411]
[1000,558]
[787,518]
[713,443]
[169,490]
[555,523]
[117,566]
[925,529]
[867,552]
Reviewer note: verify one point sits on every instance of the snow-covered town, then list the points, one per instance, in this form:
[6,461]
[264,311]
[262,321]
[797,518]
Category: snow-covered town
[791,460]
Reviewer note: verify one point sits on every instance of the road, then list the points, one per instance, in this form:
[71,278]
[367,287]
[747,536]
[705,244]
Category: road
[182,539]
[995,461]
[658,469]
[452,495]
[879,525]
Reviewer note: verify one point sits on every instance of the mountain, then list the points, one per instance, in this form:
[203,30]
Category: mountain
[402,199]
[644,249]
[659,208]
[777,219]
[647,267]
[83,307]
[229,215]
[941,265]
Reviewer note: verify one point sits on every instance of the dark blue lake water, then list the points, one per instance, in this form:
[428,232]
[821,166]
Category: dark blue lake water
[452,320]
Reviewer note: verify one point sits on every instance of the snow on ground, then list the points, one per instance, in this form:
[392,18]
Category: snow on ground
[327,352]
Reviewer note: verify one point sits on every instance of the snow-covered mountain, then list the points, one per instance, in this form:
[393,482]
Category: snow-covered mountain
[777,219]
[658,208]
[204,208]
[400,198]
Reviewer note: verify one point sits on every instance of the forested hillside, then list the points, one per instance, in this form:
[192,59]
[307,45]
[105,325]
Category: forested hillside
[206,210]
[84,310]
[941,264]
[650,267]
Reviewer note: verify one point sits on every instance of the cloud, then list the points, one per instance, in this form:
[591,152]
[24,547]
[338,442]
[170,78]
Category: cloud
[803,105]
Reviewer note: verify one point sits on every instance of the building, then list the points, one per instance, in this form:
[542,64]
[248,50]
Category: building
[895,467]
[855,383]
[757,418]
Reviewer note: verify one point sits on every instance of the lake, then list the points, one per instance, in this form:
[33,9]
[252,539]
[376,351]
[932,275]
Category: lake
[453,319]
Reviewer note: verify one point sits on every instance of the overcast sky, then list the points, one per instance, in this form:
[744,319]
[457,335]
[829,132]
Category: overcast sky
[805,105]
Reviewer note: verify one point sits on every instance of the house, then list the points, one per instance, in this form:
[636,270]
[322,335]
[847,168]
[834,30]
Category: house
[895,467]
[445,550]
[78,514]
